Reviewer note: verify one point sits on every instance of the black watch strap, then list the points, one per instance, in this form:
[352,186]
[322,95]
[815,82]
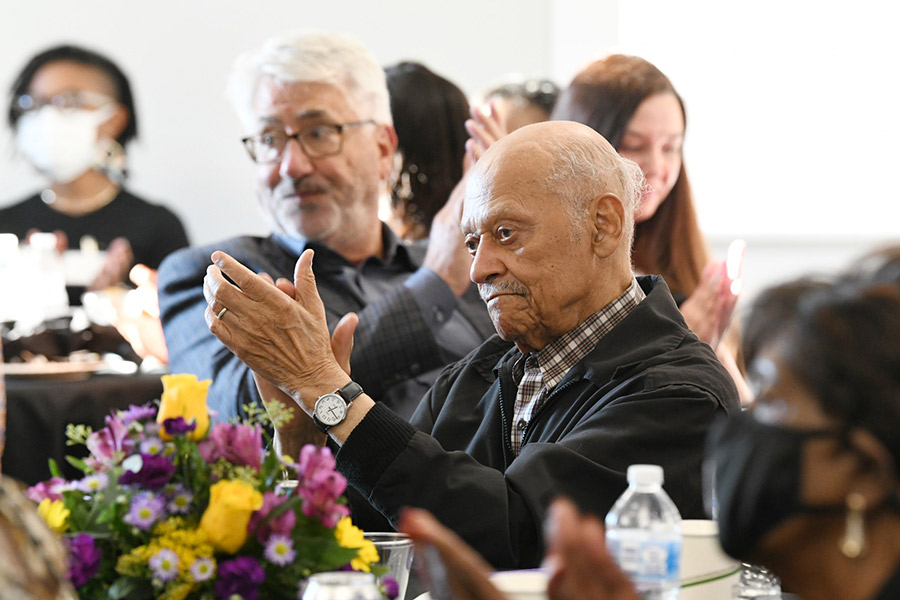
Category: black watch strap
[349,392]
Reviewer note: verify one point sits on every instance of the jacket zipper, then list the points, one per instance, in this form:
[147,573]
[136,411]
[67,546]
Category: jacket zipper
[534,417]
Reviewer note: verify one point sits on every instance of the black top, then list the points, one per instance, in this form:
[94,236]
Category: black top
[153,230]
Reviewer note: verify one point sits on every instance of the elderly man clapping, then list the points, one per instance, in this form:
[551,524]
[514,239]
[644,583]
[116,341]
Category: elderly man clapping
[591,369]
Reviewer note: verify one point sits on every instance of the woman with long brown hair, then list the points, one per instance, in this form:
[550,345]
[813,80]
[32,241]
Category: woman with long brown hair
[636,108]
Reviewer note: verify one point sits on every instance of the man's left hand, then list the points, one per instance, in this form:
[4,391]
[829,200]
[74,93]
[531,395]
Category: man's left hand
[283,339]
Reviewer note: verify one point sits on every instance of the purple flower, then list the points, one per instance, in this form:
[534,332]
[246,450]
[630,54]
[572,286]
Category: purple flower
[178,426]
[283,523]
[238,444]
[137,413]
[146,508]
[390,587]
[165,564]
[280,550]
[320,486]
[180,499]
[84,559]
[154,473]
[241,576]
[109,445]
[52,488]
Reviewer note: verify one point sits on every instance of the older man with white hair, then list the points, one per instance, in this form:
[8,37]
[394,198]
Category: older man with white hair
[316,110]
[592,369]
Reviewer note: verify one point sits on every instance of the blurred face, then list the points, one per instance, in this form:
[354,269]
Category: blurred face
[653,140]
[827,464]
[77,86]
[530,271]
[332,199]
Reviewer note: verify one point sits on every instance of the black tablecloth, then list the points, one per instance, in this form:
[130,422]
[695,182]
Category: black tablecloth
[38,411]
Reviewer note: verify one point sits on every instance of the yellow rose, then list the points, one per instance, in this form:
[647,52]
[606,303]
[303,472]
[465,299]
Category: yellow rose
[55,513]
[350,536]
[184,396]
[231,502]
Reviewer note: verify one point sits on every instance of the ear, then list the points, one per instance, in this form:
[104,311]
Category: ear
[386,138]
[115,125]
[875,477]
[607,224]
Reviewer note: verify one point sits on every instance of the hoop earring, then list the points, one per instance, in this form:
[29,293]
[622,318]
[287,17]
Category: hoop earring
[853,543]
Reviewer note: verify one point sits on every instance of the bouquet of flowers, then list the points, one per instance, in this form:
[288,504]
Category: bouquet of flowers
[171,507]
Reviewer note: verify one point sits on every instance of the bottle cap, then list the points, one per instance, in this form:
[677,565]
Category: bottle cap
[645,475]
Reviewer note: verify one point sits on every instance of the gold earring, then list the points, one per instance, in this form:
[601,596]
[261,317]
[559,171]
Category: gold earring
[854,542]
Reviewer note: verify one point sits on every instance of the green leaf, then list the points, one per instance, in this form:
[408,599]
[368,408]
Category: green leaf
[77,463]
[54,468]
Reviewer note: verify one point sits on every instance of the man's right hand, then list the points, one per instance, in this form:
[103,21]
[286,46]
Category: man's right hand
[447,255]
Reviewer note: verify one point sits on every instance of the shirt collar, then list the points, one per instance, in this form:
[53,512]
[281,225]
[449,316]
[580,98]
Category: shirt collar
[395,249]
[559,356]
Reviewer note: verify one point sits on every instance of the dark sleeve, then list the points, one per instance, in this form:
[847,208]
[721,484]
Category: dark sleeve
[192,347]
[500,511]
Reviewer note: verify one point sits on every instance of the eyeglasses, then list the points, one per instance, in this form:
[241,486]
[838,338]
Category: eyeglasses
[317,141]
[66,101]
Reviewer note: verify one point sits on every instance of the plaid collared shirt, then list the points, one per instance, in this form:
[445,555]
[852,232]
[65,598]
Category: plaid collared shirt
[539,372]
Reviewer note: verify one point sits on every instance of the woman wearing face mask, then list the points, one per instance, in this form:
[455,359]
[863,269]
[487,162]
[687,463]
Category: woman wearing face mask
[636,108]
[807,482]
[72,112]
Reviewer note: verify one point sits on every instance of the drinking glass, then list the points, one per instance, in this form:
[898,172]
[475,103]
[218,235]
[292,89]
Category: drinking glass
[395,551]
[342,585]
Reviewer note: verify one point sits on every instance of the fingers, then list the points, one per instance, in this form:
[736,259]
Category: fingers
[244,278]
[580,565]
[142,275]
[466,570]
[342,340]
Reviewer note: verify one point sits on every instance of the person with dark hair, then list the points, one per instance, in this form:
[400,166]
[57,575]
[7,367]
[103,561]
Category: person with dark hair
[807,481]
[429,114]
[73,113]
[635,107]
[523,102]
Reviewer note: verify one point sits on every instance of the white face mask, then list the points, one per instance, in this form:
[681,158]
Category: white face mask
[62,144]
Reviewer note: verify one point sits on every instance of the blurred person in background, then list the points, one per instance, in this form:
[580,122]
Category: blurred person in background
[522,103]
[636,108]
[73,114]
[429,116]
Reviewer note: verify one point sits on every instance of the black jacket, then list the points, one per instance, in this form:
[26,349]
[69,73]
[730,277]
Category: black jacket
[647,393]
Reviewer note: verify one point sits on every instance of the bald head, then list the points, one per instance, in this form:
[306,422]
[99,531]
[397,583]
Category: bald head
[565,160]
[548,219]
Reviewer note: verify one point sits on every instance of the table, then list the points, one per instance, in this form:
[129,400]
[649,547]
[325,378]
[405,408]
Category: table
[38,410]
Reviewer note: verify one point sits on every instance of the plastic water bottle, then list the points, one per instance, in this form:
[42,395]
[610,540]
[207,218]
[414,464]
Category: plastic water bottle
[643,533]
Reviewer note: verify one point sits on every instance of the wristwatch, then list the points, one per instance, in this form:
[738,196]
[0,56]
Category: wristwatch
[331,409]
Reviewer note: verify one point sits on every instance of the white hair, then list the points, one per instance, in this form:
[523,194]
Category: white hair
[300,56]
[581,168]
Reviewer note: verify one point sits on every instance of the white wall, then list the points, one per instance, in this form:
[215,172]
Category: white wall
[792,122]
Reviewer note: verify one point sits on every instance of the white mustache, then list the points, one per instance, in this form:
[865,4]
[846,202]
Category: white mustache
[486,290]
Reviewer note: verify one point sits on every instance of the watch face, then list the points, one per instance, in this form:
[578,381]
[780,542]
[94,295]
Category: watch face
[331,409]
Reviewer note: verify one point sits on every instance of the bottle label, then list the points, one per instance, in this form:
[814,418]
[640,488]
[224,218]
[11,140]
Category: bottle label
[645,558]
